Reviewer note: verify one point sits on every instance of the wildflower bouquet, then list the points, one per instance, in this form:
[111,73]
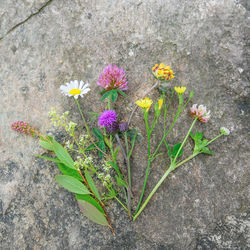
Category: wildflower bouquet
[76,158]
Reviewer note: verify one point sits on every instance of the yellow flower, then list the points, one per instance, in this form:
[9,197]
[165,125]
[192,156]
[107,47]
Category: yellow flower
[160,102]
[145,103]
[180,90]
[163,72]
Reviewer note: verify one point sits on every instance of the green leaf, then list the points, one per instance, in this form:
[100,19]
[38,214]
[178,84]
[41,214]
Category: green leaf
[97,133]
[48,158]
[198,136]
[89,199]
[94,115]
[102,92]
[120,181]
[114,95]
[92,185]
[192,136]
[72,184]
[191,94]
[46,144]
[106,95]
[90,147]
[115,167]
[175,150]
[206,150]
[122,93]
[92,213]
[68,171]
[169,150]
[101,145]
[63,155]
[116,152]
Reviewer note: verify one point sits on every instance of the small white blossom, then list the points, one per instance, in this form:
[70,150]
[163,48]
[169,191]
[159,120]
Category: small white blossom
[224,131]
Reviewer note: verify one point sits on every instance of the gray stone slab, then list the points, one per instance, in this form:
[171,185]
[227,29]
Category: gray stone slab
[43,44]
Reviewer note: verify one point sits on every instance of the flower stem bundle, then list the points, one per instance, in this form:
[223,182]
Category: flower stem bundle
[89,159]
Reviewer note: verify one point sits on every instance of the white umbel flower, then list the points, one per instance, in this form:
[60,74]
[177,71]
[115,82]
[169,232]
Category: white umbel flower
[74,88]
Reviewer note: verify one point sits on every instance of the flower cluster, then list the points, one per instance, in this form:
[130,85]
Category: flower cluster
[163,72]
[23,127]
[113,77]
[200,112]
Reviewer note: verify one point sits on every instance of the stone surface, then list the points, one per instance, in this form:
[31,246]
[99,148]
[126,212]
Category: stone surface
[43,44]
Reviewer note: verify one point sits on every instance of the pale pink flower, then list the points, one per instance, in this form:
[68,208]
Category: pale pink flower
[200,112]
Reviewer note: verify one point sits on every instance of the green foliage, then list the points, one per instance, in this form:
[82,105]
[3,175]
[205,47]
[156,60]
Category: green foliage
[92,213]
[172,151]
[72,184]
[62,154]
[92,185]
[48,158]
[88,198]
[97,133]
[45,144]
[200,144]
[68,171]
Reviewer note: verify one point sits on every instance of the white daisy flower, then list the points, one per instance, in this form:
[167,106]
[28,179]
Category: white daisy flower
[74,88]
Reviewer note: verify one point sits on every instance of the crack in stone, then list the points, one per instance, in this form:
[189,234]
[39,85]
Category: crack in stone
[25,20]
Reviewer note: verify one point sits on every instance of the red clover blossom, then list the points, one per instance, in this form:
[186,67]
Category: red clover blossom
[113,77]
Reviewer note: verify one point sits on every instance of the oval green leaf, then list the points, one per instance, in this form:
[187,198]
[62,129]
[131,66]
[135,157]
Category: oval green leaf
[88,198]
[62,154]
[72,184]
[92,185]
[92,213]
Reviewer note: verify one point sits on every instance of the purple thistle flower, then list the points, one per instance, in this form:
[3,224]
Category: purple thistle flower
[112,128]
[123,126]
[107,118]
[113,77]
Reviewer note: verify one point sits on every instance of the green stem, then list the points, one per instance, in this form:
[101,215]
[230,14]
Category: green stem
[170,169]
[166,134]
[148,165]
[109,102]
[83,118]
[189,131]
[128,161]
[218,136]
[152,192]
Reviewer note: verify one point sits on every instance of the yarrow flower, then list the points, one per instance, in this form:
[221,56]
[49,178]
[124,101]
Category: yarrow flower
[200,112]
[145,103]
[113,77]
[180,90]
[74,88]
[107,118]
[224,131]
[23,127]
[162,72]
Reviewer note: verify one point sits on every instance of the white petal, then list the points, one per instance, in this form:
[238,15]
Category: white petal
[75,86]
[85,91]
[81,84]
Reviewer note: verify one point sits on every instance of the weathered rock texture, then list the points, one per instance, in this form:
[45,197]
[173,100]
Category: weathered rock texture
[43,44]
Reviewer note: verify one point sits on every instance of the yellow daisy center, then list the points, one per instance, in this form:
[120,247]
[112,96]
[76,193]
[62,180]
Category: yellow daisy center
[75,91]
